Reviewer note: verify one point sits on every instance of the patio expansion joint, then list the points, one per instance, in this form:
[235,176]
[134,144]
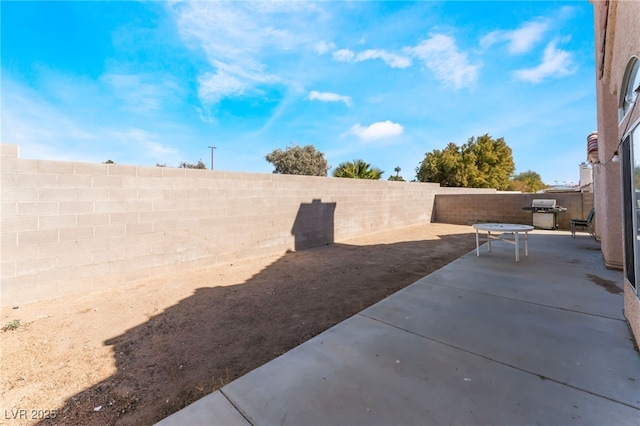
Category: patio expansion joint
[527,302]
[244,416]
[499,362]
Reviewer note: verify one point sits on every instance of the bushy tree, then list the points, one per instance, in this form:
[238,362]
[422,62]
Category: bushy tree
[528,181]
[445,167]
[357,169]
[482,162]
[296,160]
[199,165]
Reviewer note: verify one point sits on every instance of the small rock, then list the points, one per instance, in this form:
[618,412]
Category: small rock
[98,408]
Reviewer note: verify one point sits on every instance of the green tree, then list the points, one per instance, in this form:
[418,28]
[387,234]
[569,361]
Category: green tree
[296,160]
[109,161]
[444,167]
[397,176]
[482,162]
[357,169]
[528,181]
[199,165]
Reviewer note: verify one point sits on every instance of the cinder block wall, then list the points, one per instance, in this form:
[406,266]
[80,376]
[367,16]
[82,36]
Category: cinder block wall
[467,209]
[73,228]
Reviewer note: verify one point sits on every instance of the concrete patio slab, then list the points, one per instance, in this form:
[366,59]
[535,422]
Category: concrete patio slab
[565,286]
[554,247]
[215,409]
[560,271]
[367,372]
[578,293]
[583,351]
[484,340]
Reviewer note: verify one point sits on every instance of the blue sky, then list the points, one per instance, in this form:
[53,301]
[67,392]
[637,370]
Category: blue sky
[158,82]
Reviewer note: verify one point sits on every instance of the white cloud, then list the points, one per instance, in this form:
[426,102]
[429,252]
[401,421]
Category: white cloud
[376,131]
[492,38]
[147,142]
[329,97]
[391,59]
[520,40]
[55,131]
[38,126]
[323,47]
[214,87]
[525,37]
[344,55]
[142,93]
[441,55]
[555,63]
[236,38]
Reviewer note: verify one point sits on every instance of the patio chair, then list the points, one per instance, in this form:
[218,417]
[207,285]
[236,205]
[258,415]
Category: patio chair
[587,224]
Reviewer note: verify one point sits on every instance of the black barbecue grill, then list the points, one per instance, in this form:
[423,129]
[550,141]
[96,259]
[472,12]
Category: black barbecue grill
[544,213]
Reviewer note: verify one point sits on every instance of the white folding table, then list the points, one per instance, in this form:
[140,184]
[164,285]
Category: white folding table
[502,228]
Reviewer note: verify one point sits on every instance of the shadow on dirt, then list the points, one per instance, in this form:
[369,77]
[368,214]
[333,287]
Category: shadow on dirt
[220,333]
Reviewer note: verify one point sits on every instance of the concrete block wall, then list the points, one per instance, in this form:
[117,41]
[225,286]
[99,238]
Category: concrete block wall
[71,228]
[467,209]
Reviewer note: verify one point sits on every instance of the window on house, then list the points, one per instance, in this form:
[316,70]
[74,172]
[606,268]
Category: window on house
[630,153]
[630,82]
[631,201]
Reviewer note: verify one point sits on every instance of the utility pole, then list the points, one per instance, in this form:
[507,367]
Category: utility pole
[212,148]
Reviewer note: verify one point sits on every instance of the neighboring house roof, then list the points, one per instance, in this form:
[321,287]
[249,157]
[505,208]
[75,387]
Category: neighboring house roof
[560,188]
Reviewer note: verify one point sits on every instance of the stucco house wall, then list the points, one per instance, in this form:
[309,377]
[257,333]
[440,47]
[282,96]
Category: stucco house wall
[617,36]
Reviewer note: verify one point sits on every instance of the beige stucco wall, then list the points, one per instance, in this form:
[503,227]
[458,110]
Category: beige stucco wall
[72,228]
[617,40]
[606,182]
[607,186]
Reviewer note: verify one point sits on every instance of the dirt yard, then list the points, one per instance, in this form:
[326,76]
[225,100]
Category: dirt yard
[137,353]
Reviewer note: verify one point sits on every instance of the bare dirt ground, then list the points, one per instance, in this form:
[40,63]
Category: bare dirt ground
[144,350]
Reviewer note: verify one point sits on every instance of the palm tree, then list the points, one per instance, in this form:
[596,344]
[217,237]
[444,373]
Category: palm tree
[397,177]
[357,169]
